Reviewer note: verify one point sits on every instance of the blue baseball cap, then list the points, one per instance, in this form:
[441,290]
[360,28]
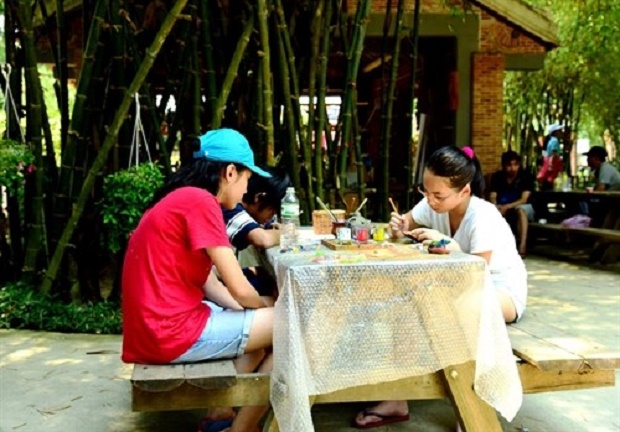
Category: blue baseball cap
[228,145]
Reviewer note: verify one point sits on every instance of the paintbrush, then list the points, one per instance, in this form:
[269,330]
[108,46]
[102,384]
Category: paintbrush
[322,204]
[394,206]
[361,205]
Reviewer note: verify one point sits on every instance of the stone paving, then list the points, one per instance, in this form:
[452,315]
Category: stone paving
[63,383]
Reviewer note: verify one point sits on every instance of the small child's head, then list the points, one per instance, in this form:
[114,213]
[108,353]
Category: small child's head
[450,176]
[222,164]
[264,195]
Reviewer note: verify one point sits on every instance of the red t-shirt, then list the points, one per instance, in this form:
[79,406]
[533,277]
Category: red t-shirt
[165,268]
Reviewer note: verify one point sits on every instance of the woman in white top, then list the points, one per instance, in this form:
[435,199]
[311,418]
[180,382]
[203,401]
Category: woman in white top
[452,209]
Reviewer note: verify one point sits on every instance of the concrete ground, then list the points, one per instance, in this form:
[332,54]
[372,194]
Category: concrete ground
[63,382]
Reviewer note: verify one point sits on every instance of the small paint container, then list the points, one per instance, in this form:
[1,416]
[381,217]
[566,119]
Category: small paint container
[361,234]
[343,234]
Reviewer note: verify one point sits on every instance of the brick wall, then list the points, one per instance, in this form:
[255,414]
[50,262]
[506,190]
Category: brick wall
[487,108]
[498,36]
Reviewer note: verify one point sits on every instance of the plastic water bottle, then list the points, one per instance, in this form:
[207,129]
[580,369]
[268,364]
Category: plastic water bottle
[290,219]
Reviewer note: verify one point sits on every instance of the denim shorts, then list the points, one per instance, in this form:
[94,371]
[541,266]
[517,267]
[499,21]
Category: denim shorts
[225,336]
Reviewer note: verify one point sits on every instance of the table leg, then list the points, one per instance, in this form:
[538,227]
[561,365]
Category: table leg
[472,412]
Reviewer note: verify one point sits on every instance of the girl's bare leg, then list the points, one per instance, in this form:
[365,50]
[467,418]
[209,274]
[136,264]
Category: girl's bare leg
[248,417]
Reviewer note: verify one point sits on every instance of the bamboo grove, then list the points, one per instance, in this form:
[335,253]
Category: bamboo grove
[239,64]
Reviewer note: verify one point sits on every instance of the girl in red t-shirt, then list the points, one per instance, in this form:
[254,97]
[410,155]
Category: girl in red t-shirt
[170,255]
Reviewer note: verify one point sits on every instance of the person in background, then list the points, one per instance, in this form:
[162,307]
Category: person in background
[251,223]
[170,255]
[610,145]
[452,208]
[552,161]
[606,175]
[511,188]
[246,223]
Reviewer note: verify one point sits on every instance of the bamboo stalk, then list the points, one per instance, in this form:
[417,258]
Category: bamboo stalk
[312,72]
[290,56]
[62,197]
[322,94]
[353,60]
[285,80]
[12,130]
[34,92]
[117,81]
[386,139]
[177,120]
[63,72]
[111,137]
[195,73]
[387,23]
[207,47]
[415,42]
[145,94]
[231,73]
[175,74]
[259,106]
[265,64]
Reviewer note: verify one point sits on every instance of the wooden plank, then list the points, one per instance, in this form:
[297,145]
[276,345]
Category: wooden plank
[250,389]
[596,232]
[414,388]
[157,378]
[534,380]
[211,375]
[472,412]
[550,348]
[253,389]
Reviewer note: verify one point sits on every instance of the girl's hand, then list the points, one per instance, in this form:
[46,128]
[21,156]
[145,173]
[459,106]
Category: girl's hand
[426,235]
[398,224]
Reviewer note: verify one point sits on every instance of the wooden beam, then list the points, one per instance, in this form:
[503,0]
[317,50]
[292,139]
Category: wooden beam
[253,389]
[473,413]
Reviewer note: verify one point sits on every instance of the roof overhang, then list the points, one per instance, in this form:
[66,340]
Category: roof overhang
[534,22]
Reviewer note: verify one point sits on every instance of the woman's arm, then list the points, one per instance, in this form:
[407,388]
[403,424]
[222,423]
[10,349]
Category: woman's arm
[228,267]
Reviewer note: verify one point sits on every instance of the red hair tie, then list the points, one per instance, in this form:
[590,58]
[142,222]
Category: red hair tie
[469,152]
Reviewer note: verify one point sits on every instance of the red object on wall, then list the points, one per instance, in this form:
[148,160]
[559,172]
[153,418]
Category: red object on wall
[453,90]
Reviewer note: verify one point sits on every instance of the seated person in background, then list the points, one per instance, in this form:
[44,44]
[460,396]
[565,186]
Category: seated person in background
[606,175]
[511,188]
[248,223]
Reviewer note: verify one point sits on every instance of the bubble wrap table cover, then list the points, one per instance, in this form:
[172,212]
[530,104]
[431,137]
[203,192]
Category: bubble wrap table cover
[343,325]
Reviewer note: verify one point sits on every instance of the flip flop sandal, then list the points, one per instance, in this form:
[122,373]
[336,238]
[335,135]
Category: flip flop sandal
[384,420]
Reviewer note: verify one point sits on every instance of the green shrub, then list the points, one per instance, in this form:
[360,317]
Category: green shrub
[15,158]
[21,307]
[126,194]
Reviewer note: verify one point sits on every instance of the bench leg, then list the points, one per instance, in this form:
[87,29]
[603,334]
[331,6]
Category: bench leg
[472,412]
[271,424]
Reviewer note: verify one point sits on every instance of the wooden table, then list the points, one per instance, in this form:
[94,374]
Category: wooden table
[340,325]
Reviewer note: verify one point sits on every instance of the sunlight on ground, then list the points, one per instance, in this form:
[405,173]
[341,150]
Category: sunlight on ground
[60,362]
[21,355]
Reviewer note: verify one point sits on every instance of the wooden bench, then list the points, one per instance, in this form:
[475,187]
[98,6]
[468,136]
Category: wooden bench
[606,250]
[606,234]
[548,360]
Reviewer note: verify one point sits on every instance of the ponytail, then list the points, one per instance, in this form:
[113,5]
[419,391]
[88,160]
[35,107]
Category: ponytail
[460,166]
